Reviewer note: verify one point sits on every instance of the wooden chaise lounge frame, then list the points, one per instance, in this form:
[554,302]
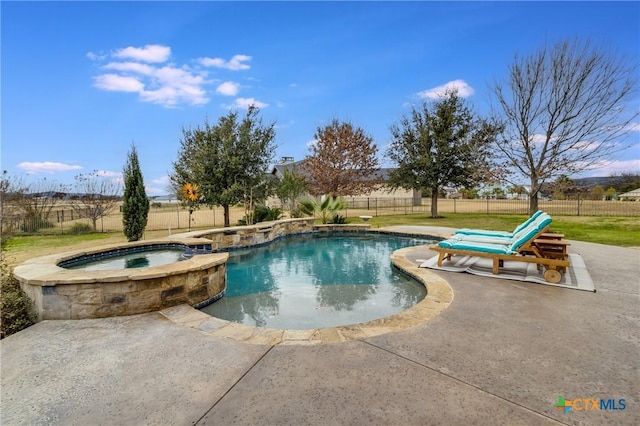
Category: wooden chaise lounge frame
[528,252]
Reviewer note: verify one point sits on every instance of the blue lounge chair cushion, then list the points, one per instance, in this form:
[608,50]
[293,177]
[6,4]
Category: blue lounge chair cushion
[475,246]
[490,245]
[485,239]
[501,234]
[527,234]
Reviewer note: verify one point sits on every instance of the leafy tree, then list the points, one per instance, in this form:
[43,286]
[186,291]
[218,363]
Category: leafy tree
[518,190]
[97,196]
[610,194]
[562,187]
[291,187]
[565,110]
[597,193]
[135,206]
[342,162]
[628,181]
[228,161]
[440,144]
[498,193]
[469,194]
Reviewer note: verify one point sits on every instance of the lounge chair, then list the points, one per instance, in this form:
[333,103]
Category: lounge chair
[500,234]
[521,247]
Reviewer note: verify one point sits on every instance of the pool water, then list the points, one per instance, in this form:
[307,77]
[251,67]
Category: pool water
[139,259]
[313,281]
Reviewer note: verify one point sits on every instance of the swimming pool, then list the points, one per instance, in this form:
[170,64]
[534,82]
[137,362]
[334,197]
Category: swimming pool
[313,281]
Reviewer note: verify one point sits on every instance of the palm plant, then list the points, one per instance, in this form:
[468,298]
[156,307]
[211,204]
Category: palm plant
[324,210]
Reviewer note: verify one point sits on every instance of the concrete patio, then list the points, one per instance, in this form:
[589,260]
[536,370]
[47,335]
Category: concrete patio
[501,353]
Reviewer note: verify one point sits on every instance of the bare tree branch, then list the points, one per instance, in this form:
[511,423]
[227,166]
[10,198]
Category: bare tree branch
[565,108]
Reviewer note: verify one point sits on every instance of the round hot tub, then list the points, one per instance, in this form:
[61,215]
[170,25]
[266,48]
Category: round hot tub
[61,292]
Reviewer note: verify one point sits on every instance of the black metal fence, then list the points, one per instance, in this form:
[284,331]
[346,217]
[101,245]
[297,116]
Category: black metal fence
[577,207]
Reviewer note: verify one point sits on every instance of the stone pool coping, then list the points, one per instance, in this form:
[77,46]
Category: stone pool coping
[60,294]
[44,270]
[439,296]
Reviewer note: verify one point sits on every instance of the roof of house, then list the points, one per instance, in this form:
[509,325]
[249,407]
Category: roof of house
[634,193]
[381,175]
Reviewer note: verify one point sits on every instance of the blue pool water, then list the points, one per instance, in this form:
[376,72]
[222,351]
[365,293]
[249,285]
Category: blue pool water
[313,281]
[137,259]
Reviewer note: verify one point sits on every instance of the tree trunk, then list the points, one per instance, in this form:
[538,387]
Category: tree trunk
[434,202]
[226,215]
[533,196]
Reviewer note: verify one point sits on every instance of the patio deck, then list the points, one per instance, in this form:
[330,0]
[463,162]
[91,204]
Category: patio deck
[501,353]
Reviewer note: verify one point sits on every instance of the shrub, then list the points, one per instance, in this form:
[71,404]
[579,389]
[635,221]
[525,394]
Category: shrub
[338,219]
[262,214]
[16,309]
[81,228]
[324,210]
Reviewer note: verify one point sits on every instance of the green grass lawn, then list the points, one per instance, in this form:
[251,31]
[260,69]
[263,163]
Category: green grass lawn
[618,231]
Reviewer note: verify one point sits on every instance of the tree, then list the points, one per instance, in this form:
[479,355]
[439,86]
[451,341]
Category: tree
[597,193]
[135,207]
[342,161]
[440,144]
[33,200]
[228,161]
[565,111]
[97,196]
[562,187]
[292,185]
[518,190]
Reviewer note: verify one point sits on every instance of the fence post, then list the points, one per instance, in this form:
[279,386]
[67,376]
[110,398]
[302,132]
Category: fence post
[487,205]
[578,204]
[454,206]
[376,202]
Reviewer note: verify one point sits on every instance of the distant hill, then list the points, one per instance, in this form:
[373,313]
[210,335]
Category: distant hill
[621,183]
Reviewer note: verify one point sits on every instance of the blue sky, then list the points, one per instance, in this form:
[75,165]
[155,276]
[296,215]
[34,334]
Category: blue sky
[82,81]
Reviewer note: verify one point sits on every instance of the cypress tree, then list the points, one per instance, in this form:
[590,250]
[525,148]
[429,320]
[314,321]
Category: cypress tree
[135,207]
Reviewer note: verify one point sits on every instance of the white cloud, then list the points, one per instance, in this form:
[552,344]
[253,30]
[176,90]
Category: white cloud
[138,70]
[153,53]
[164,180]
[47,167]
[95,57]
[228,88]
[312,143]
[167,86]
[133,67]
[108,173]
[633,127]
[244,103]
[464,90]
[118,83]
[611,167]
[234,64]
